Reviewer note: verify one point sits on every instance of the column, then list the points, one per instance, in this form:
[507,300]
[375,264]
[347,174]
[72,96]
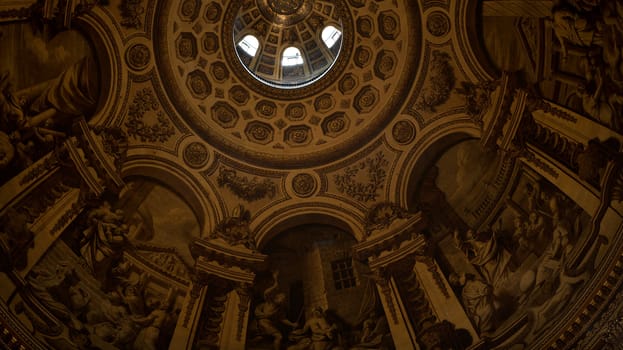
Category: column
[229,272]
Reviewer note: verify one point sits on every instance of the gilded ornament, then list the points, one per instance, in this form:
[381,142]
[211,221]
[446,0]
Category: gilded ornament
[195,154]
[259,132]
[248,189]
[304,185]
[266,108]
[224,114]
[144,102]
[375,167]
[348,83]
[403,132]
[295,111]
[199,84]
[385,64]
[189,9]
[297,135]
[365,26]
[389,25]
[138,56]
[209,42]
[186,47]
[438,23]
[335,124]
[366,99]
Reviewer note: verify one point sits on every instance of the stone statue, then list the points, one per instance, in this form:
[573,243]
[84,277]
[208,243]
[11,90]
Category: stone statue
[103,239]
[322,333]
[147,338]
[271,312]
[477,297]
[40,114]
[375,333]
[490,258]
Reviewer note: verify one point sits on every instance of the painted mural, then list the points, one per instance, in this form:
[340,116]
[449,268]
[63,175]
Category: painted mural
[111,282]
[45,84]
[316,296]
[523,265]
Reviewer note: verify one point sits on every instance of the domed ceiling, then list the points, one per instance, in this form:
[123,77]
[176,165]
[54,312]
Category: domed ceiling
[243,114]
[435,174]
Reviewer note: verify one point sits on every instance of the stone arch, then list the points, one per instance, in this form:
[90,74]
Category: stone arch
[423,157]
[112,76]
[267,227]
[183,184]
[468,18]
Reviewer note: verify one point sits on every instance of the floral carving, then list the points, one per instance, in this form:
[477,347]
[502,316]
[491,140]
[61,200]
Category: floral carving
[131,12]
[403,132]
[382,215]
[365,192]
[138,56]
[440,82]
[235,229]
[438,24]
[115,142]
[245,188]
[196,154]
[144,102]
[304,185]
[477,98]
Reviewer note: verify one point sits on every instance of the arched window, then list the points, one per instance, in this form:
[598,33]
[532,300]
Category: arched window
[291,57]
[249,44]
[331,35]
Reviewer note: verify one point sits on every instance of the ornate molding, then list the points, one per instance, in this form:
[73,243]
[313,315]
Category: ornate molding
[382,215]
[365,192]
[477,98]
[441,81]
[132,12]
[248,189]
[40,168]
[145,101]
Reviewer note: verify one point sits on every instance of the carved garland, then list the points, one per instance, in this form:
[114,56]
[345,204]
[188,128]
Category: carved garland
[364,192]
[143,102]
[440,83]
[131,12]
[245,188]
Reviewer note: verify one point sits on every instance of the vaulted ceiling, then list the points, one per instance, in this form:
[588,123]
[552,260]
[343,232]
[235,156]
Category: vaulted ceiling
[146,147]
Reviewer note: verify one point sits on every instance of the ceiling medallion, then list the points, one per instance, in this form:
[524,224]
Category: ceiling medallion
[285,12]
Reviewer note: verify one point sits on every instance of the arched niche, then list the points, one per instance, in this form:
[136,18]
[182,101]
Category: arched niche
[196,196]
[504,230]
[419,163]
[286,216]
[315,279]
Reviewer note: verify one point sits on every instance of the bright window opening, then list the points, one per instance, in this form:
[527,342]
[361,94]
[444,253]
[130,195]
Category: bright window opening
[331,35]
[249,44]
[291,57]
